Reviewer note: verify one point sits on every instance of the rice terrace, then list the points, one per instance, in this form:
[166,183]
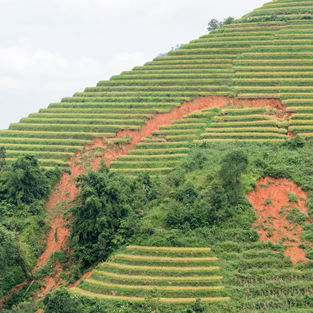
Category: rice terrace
[181,186]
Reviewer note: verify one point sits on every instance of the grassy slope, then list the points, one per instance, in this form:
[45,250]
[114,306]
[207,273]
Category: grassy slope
[257,276]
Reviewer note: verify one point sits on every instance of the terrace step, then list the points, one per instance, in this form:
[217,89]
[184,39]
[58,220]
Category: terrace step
[172,271]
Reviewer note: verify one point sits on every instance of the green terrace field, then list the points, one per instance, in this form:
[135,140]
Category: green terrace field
[302,119]
[261,279]
[161,152]
[287,9]
[252,124]
[164,150]
[255,57]
[289,76]
[177,275]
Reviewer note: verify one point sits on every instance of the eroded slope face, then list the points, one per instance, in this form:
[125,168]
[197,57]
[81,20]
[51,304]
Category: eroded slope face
[281,207]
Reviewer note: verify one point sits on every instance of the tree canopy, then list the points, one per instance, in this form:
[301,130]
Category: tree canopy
[23,182]
[106,214]
[215,24]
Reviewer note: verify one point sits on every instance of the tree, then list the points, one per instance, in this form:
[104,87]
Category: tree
[211,206]
[186,194]
[233,165]
[142,191]
[60,301]
[2,158]
[214,24]
[296,142]
[197,306]
[105,216]
[228,20]
[23,182]
[12,260]
[177,214]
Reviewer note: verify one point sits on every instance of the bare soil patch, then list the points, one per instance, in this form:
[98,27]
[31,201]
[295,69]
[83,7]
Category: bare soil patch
[273,202]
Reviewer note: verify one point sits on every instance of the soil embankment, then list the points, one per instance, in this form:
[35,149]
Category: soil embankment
[274,200]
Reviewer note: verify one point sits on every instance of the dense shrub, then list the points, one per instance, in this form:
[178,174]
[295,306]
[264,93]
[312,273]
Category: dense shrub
[12,265]
[24,187]
[106,215]
[2,159]
[192,208]
[23,183]
[233,165]
[60,301]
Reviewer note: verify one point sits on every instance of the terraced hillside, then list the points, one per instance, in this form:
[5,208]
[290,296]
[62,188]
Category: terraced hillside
[248,124]
[174,275]
[247,85]
[266,54]
[159,153]
[261,279]
[281,68]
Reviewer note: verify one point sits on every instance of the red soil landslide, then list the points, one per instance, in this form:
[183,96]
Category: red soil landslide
[58,230]
[271,203]
[15,289]
[66,189]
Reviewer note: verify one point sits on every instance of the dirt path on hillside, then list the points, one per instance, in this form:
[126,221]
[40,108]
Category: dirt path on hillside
[272,202]
[65,191]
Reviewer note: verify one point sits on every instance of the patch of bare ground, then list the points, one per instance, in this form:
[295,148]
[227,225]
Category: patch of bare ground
[272,202]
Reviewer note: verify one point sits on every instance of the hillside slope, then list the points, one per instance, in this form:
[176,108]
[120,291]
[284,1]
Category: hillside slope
[247,85]
[252,58]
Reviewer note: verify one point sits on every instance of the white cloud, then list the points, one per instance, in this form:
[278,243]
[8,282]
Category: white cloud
[12,58]
[24,66]
[23,59]
[10,84]
[96,7]
[148,10]
[159,10]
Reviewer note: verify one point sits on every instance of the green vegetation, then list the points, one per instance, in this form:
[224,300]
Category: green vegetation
[292,197]
[215,24]
[107,215]
[147,222]
[296,216]
[23,190]
[196,206]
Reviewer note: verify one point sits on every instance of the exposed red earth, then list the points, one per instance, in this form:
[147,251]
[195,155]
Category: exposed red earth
[271,202]
[52,282]
[66,190]
[15,289]
[59,231]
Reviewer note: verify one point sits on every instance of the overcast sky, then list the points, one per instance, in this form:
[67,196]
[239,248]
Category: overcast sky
[50,49]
